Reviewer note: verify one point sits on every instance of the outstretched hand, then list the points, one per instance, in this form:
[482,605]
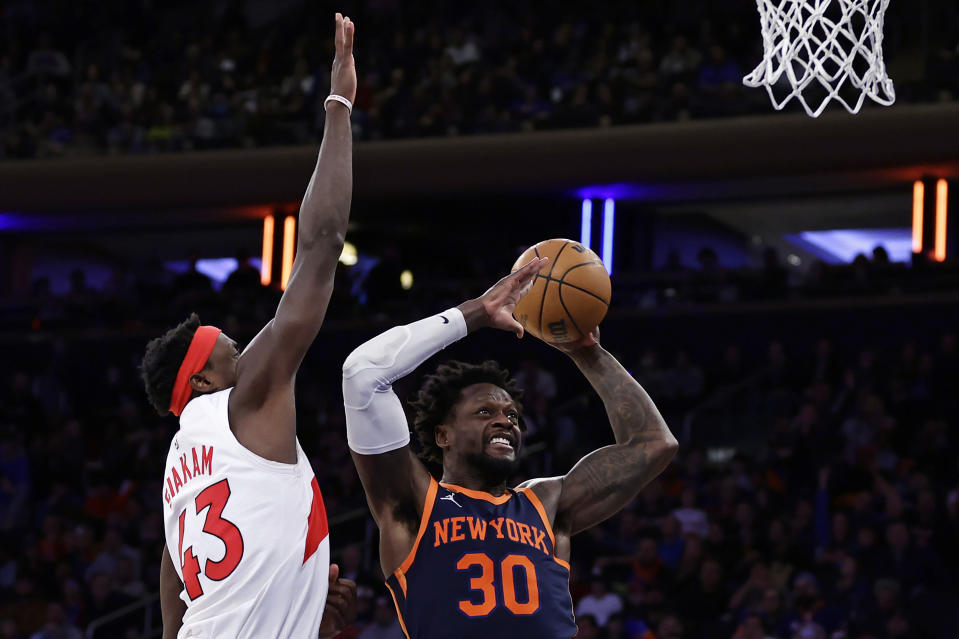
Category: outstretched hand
[343,77]
[500,300]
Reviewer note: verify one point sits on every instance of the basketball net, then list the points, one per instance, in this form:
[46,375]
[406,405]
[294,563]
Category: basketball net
[836,52]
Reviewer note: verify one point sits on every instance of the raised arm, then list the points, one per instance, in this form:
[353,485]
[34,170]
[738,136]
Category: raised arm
[261,407]
[395,481]
[604,481]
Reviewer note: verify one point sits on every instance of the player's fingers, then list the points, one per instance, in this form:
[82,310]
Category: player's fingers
[522,288]
[337,610]
[337,600]
[525,270]
[338,33]
[349,584]
[343,588]
[530,269]
[334,618]
[526,275]
[342,607]
[334,573]
[348,30]
[517,329]
[346,586]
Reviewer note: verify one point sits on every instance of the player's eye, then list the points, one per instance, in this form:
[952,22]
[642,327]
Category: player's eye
[483,411]
[513,416]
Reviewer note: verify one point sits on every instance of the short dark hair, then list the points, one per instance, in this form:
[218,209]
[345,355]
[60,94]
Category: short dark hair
[162,360]
[441,391]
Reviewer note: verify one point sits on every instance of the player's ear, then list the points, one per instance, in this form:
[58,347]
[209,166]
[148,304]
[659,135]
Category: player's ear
[441,436]
[200,382]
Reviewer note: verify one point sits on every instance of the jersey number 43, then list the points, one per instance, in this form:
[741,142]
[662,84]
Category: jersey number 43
[213,497]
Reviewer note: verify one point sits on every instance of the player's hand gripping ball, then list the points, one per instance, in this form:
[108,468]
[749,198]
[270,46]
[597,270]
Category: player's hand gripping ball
[570,295]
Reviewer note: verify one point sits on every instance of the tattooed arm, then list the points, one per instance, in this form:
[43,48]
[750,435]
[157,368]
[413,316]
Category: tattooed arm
[604,481]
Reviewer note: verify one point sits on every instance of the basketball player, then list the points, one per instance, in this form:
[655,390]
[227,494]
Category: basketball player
[467,556]
[247,550]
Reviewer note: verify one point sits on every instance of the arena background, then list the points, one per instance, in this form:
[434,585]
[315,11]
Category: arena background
[810,377]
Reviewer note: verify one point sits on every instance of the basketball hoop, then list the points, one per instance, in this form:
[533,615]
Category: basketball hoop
[834,45]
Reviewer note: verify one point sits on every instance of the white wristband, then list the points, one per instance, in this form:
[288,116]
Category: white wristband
[340,99]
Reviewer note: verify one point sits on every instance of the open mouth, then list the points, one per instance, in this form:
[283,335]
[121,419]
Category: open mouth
[502,441]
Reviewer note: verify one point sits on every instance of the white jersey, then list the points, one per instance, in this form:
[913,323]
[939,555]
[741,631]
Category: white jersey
[248,536]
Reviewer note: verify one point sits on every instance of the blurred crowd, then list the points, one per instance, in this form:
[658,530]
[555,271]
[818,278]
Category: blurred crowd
[830,508]
[374,289]
[144,77]
[708,282]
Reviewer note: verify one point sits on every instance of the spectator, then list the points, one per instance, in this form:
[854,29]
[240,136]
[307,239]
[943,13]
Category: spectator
[600,604]
[56,626]
[884,615]
[587,628]
[681,59]
[670,627]
[671,544]
[535,380]
[751,593]
[704,601]
[692,520]
[385,624]
[751,627]
[719,71]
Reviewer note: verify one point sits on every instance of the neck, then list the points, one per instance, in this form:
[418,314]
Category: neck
[473,482]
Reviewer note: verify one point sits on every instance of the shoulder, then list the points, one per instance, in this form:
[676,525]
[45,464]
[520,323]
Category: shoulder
[199,408]
[547,490]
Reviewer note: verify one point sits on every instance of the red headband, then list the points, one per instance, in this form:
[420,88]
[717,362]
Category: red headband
[195,360]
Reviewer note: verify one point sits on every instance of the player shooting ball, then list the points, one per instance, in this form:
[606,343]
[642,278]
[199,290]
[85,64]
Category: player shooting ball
[467,556]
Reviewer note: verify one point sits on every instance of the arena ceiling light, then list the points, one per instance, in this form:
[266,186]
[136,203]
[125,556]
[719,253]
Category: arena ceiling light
[609,229]
[586,224]
[349,256]
[942,213]
[266,262]
[289,249]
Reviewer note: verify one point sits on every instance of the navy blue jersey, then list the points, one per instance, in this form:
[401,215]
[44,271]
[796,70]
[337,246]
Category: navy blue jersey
[483,566]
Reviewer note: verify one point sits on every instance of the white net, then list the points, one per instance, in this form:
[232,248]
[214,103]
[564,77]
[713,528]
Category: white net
[822,50]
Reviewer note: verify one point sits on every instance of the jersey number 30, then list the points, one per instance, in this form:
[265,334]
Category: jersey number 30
[508,568]
[213,497]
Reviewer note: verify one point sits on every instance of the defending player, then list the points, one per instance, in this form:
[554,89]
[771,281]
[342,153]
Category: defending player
[247,550]
[467,556]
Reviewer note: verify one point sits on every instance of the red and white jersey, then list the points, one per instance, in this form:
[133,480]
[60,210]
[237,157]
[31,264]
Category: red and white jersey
[248,536]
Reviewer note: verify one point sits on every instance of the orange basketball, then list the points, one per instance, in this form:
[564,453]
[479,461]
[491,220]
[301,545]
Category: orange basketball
[570,295]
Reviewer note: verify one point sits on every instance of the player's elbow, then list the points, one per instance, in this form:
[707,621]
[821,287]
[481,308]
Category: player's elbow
[665,449]
[325,240]
[368,368]
[658,450]
[670,447]
[357,380]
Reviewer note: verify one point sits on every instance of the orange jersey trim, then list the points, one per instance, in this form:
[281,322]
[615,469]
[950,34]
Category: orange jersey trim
[478,494]
[399,613]
[424,520]
[538,505]
[401,580]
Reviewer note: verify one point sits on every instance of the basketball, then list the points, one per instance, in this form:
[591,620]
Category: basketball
[570,295]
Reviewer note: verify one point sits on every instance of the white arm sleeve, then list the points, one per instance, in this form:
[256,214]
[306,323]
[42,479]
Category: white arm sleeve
[375,421]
